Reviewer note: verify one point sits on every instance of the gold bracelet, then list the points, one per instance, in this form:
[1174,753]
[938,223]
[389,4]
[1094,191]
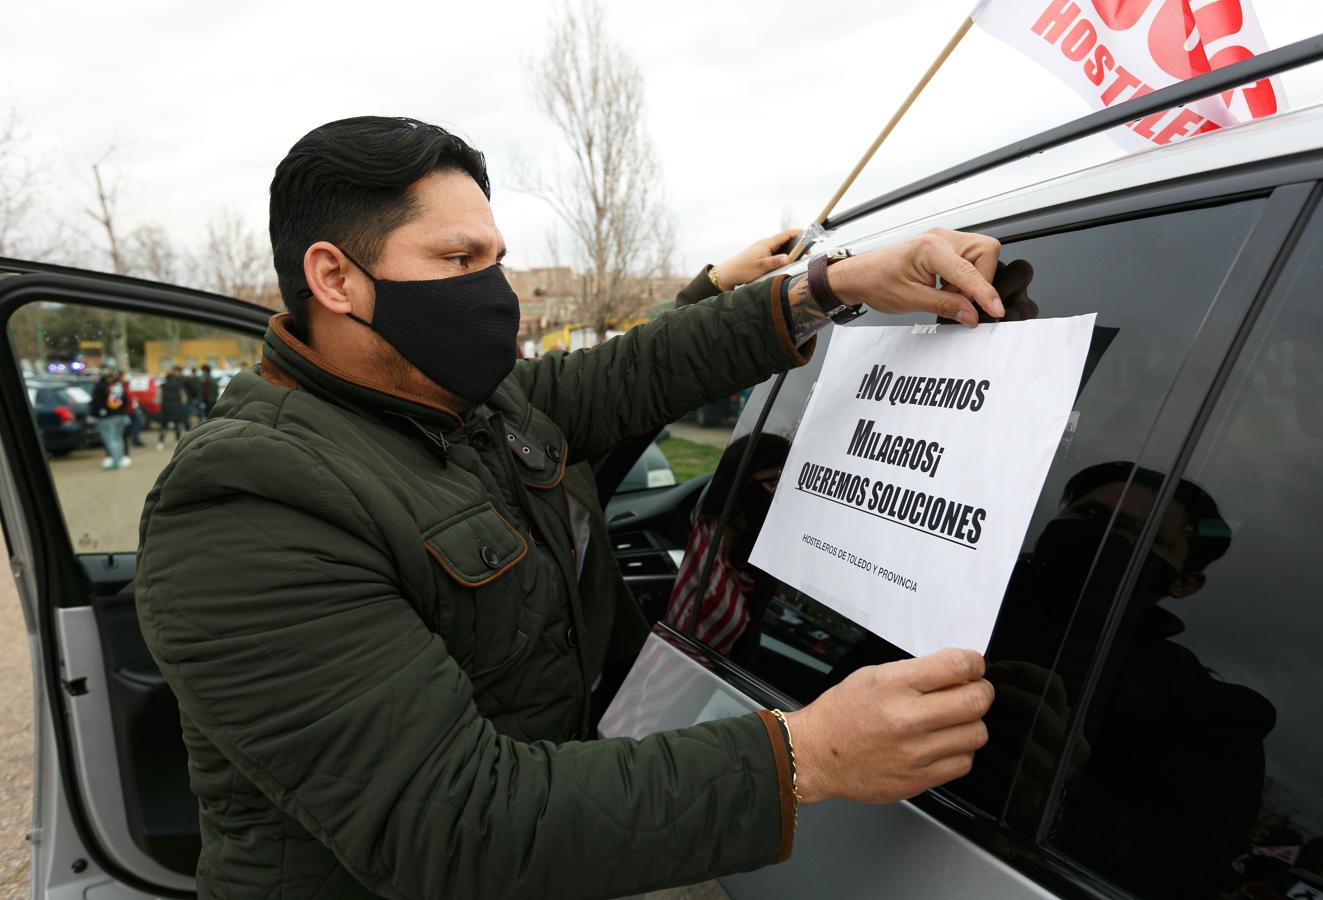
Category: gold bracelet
[713,277]
[794,773]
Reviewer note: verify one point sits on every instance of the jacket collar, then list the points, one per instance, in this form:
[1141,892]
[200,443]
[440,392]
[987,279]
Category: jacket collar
[287,360]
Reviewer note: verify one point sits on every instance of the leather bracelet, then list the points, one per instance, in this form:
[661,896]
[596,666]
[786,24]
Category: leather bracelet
[820,287]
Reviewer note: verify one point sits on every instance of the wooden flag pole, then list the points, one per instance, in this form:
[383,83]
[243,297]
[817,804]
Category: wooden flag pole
[801,245]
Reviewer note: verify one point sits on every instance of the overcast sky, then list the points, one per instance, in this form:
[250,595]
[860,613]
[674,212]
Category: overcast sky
[758,109]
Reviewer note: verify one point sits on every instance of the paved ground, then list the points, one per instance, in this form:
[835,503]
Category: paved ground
[102,506]
[15,745]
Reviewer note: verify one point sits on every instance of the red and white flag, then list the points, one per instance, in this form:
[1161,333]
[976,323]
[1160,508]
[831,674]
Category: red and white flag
[1110,51]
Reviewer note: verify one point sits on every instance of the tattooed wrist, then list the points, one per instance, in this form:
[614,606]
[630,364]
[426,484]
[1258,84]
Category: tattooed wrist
[804,316]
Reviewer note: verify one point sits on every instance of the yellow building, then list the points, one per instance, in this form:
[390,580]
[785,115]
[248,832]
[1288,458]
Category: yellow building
[577,335]
[217,352]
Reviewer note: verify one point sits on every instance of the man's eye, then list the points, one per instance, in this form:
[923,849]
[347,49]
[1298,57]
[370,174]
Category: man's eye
[460,259]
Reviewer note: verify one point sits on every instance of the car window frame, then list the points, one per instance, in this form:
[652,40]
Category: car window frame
[1292,191]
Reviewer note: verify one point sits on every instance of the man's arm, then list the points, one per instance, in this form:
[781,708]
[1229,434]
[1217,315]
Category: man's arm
[653,374]
[759,259]
[285,635]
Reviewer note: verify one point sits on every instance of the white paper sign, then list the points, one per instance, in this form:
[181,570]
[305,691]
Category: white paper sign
[915,470]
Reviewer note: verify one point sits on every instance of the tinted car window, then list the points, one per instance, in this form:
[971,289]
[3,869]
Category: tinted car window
[1151,281]
[1203,772]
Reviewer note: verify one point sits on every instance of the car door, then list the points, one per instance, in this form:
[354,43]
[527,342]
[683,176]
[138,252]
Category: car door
[1172,271]
[113,811]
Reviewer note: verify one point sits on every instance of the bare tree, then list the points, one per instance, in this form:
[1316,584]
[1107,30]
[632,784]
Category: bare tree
[237,263]
[151,254]
[104,214]
[609,196]
[16,185]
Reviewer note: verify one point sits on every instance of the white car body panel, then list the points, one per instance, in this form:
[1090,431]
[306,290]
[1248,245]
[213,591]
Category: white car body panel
[896,851]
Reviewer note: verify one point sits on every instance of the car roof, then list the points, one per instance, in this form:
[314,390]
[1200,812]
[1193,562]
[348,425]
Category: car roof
[1283,135]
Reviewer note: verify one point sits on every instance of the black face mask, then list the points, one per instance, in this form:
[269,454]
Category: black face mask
[1045,586]
[1066,547]
[756,501]
[460,332]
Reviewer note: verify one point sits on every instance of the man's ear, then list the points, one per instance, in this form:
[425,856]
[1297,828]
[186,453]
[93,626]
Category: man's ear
[329,275]
[1189,583]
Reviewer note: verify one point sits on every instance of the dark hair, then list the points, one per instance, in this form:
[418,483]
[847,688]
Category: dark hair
[349,182]
[770,451]
[1207,533]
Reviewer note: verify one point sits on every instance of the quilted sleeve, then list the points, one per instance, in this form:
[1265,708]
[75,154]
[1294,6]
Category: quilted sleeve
[274,614]
[634,384]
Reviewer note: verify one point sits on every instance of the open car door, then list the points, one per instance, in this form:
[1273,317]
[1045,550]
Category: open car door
[113,813]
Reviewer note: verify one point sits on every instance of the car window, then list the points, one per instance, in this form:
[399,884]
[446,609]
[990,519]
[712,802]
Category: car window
[1151,281]
[106,445]
[688,448]
[1203,771]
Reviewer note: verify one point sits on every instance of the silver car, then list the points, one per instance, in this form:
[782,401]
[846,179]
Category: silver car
[1158,731]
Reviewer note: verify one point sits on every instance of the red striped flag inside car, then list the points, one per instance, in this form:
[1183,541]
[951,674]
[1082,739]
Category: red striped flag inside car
[1110,51]
[724,612]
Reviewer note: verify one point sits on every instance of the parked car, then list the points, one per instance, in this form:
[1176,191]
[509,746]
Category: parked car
[62,410]
[146,393]
[651,470]
[1157,731]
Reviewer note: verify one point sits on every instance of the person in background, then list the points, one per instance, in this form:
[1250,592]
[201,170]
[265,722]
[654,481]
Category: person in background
[174,401]
[208,392]
[137,415]
[110,408]
[189,377]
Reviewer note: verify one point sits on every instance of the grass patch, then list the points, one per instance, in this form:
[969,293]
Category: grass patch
[689,458]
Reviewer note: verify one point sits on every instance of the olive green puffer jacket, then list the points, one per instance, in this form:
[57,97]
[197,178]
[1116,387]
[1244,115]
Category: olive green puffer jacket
[367,608]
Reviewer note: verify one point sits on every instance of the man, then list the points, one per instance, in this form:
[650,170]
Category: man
[208,389]
[377,659]
[174,398]
[110,407]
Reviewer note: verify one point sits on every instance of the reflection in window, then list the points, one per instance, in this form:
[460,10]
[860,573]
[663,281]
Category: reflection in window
[1204,771]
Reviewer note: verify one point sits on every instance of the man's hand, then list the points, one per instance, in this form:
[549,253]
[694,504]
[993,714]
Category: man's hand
[903,278]
[892,731]
[757,259]
[1011,282]
[1028,733]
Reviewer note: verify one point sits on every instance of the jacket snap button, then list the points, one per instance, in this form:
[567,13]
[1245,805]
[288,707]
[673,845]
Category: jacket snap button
[571,637]
[489,559]
[553,452]
[481,440]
